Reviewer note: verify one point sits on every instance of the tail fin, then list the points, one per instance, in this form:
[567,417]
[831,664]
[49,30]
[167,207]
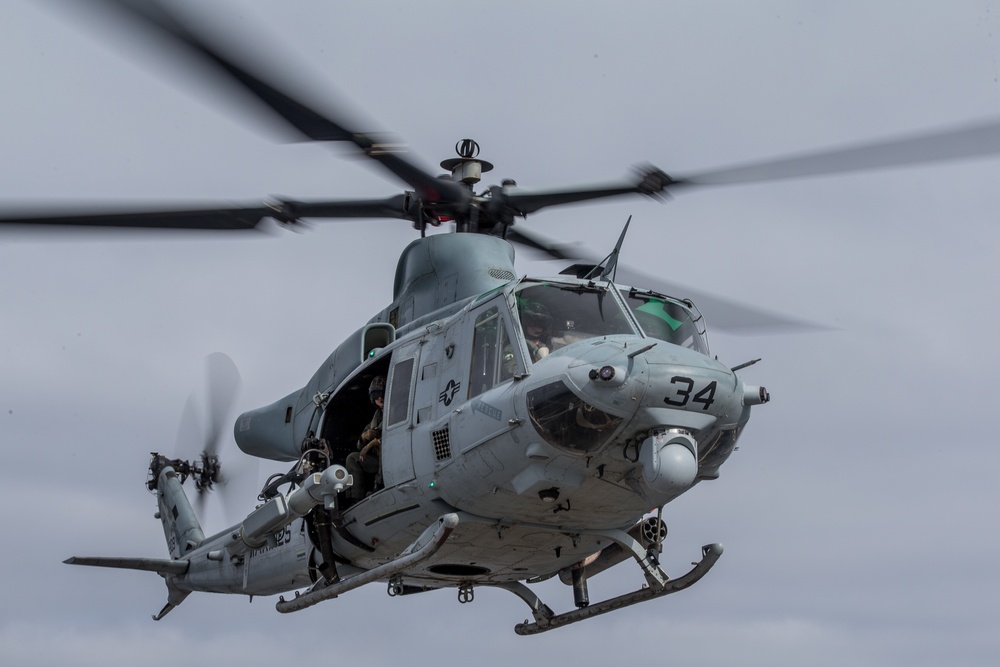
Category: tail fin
[180,525]
[161,566]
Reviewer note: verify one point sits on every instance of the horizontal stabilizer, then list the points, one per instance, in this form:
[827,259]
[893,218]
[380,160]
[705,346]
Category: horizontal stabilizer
[159,565]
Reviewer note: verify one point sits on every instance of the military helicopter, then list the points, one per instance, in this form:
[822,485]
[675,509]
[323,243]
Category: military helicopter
[529,424]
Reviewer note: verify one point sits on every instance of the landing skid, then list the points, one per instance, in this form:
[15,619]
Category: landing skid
[546,620]
[423,548]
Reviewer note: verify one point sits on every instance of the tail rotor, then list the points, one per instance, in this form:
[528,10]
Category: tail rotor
[202,435]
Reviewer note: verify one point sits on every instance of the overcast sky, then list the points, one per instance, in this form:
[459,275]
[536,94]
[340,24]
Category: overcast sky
[859,514]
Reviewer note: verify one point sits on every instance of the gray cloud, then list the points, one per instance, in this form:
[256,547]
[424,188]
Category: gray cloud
[858,513]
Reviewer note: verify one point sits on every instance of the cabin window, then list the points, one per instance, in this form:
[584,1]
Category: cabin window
[565,420]
[554,315]
[399,392]
[374,337]
[493,360]
[668,320]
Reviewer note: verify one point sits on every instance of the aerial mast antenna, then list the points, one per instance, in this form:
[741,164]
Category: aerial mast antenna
[610,263]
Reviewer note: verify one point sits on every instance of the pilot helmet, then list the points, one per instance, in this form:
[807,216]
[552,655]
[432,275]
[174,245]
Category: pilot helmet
[534,314]
[376,389]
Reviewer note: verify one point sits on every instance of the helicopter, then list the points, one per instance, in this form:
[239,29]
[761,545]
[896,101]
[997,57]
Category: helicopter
[429,302]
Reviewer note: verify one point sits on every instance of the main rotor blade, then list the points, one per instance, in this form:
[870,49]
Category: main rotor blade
[309,122]
[400,206]
[242,218]
[648,181]
[523,203]
[720,313]
[225,219]
[555,249]
[970,141]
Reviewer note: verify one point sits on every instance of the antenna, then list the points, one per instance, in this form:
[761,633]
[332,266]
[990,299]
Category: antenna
[610,262]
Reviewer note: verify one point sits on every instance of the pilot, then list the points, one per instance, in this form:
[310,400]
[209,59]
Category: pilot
[365,464]
[537,325]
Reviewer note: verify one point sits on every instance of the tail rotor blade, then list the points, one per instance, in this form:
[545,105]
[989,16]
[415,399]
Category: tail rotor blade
[238,486]
[198,448]
[222,383]
[190,435]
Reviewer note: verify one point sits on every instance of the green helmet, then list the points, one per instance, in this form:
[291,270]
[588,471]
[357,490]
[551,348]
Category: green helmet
[534,314]
[377,388]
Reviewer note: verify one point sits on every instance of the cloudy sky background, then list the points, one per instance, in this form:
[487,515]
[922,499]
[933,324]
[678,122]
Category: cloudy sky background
[859,514]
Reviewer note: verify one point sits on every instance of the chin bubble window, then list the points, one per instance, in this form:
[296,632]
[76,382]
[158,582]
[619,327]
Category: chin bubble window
[565,420]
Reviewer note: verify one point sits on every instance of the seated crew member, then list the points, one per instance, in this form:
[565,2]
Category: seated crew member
[366,464]
[537,325]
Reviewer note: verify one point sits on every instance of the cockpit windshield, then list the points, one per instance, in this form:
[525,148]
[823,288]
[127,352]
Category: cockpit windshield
[553,315]
[667,319]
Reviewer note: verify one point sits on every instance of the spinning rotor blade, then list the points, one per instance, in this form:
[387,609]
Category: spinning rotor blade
[309,122]
[720,313]
[189,432]
[222,219]
[236,479]
[649,181]
[234,219]
[970,141]
[978,140]
[223,383]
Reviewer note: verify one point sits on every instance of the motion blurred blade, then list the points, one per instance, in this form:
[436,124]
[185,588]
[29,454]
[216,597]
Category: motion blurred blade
[400,206]
[190,436]
[648,180]
[525,202]
[969,141]
[222,383]
[238,488]
[161,21]
[201,504]
[309,122]
[225,219]
[720,313]
[220,219]
[531,239]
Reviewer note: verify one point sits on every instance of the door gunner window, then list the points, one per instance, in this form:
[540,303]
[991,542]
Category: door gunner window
[493,359]
[399,397]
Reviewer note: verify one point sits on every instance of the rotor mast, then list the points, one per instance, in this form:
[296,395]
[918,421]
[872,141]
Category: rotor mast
[467,169]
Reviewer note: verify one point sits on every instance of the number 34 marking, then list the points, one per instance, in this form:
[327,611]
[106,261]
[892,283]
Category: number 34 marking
[682,394]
